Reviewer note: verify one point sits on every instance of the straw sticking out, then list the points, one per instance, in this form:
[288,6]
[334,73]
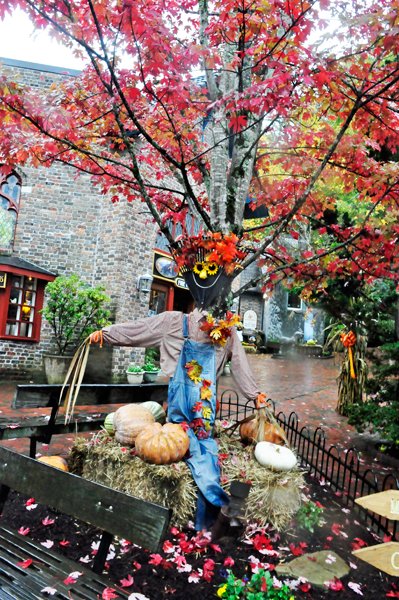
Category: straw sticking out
[75,374]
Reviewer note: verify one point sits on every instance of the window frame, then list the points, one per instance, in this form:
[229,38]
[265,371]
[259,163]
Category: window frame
[13,205]
[42,280]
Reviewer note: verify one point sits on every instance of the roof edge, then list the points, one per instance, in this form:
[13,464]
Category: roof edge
[31,66]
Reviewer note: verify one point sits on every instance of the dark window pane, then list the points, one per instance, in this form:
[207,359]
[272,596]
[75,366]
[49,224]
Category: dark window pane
[15,296]
[293,301]
[13,310]
[16,281]
[157,301]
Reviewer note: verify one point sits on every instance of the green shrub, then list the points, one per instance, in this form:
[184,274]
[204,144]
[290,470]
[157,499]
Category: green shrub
[152,354]
[309,515]
[74,310]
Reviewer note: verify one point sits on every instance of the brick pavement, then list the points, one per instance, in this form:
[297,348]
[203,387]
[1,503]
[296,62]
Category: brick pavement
[304,385]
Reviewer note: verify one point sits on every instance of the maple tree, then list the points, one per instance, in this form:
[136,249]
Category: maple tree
[280,121]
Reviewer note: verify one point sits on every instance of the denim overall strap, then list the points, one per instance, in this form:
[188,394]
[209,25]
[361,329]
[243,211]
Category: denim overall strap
[185,405]
[185,327]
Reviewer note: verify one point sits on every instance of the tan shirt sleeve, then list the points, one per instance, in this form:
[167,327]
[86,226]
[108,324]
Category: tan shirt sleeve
[241,370]
[145,332]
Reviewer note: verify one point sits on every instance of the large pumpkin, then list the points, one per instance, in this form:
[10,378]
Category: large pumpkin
[54,461]
[162,445]
[260,429]
[129,421]
[157,410]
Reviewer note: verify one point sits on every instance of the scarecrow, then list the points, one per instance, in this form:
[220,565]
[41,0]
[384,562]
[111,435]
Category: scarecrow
[194,349]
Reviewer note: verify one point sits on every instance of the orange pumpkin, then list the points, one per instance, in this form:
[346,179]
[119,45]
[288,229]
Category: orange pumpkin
[162,445]
[260,429]
[54,461]
[129,421]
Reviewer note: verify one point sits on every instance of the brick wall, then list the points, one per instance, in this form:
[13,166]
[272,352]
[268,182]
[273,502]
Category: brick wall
[66,226]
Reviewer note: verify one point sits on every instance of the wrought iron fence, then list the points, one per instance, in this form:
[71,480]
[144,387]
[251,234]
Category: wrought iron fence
[342,471]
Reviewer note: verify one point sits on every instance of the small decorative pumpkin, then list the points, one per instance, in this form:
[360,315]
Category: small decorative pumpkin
[162,445]
[278,458]
[157,410]
[129,421]
[260,429]
[55,461]
[109,423]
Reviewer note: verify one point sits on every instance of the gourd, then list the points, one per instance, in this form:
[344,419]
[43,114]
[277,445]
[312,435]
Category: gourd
[157,410]
[129,421]
[260,429]
[54,461]
[109,423]
[162,445]
[278,458]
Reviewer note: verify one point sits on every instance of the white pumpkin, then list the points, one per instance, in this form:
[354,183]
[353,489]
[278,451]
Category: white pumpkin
[279,458]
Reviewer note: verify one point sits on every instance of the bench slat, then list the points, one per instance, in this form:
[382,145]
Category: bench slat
[35,427]
[140,522]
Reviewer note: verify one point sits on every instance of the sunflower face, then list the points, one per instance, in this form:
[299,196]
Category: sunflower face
[204,268]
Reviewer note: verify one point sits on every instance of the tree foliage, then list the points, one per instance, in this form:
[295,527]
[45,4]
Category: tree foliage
[286,121]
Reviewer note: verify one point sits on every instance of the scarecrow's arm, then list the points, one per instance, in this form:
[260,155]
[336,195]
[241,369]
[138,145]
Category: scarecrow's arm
[240,369]
[145,332]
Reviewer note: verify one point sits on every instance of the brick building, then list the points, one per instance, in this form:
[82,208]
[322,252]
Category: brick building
[52,223]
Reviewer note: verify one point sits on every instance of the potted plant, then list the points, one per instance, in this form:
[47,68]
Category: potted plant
[135,374]
[227,370]
[150,372]
[73,310]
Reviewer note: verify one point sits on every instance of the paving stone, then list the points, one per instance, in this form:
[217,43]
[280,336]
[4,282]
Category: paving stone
[316,571]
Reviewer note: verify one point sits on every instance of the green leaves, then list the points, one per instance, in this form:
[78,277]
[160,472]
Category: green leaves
[74,310]
[261,586]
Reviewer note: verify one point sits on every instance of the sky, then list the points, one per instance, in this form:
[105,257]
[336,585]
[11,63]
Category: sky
[19,40]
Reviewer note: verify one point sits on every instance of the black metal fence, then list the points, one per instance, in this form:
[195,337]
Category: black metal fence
[341,471]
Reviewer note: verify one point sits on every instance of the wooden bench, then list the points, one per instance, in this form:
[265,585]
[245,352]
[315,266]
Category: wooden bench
[114,512]
[41,429]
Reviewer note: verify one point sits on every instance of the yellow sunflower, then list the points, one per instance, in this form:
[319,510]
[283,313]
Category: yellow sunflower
[212,268]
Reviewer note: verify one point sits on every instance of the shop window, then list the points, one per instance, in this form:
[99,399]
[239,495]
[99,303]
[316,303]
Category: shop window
[157,301]
[294,302]
[10,192]
[20,304]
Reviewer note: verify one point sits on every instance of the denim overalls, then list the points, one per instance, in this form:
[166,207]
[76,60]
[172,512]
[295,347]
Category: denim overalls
[183,394]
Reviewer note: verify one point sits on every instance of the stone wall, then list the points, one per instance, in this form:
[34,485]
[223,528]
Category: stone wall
[66,226]
[281,321]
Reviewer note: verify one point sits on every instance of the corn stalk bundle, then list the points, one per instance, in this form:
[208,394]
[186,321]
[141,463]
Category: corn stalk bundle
[350,391]
[74,377]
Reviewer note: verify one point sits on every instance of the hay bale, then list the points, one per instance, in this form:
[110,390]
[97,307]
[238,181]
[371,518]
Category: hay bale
[274,497]
[105,461]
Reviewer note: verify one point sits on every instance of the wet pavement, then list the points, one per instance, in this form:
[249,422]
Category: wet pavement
[301,384]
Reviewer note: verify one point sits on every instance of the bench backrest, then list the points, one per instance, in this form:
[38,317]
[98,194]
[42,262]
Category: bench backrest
[38,395]
[139,522]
